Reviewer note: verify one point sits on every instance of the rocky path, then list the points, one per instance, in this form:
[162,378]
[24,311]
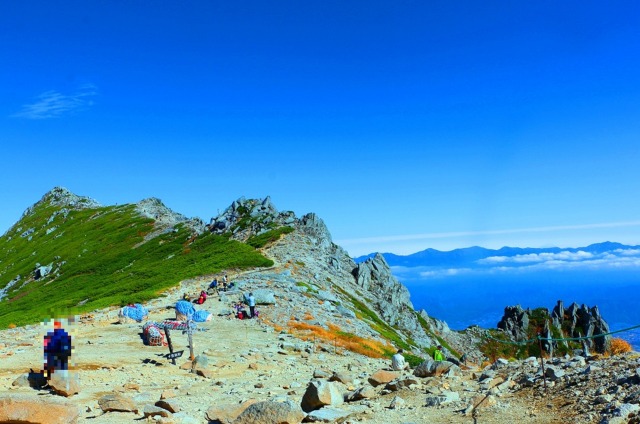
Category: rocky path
[247,360]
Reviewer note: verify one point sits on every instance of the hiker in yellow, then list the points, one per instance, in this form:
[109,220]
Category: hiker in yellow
[438,355]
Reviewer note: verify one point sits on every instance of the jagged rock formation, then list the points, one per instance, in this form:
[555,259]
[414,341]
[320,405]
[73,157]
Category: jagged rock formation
[247,217]
[166,219]
[573,322]
[515,321]
[582,321]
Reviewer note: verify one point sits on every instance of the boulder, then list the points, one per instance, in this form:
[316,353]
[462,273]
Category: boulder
[341,377]
[382,377]
[441,399]
[397,403]
[152,411]
[431,368]
[553,373]
[264,297]
[64,383]
[32,379]
[17,409]
[170,405]
[226,413]
[330,414]
[268,412]
[366,392]
[115,402]
[320,393]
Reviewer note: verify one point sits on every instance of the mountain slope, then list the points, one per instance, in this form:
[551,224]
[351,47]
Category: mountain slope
[70,255]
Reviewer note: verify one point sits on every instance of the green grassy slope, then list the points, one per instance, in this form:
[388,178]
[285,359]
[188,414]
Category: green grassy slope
[103,261]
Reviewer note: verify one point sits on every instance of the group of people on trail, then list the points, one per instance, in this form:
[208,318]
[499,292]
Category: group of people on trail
[222,285]
[398,362]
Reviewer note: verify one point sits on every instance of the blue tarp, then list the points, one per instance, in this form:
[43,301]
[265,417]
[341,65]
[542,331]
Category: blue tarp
[201,316]
[185,308]
[136,312]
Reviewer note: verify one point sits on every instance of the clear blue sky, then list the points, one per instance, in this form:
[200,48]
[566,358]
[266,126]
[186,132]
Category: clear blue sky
[403,124]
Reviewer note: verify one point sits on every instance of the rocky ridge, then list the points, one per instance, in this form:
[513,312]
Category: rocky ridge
[277,375]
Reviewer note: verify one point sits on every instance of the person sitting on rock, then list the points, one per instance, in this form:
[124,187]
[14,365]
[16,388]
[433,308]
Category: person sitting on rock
[438,355]
[202,298]
[398,363]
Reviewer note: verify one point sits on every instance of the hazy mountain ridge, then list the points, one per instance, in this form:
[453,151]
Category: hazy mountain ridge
[470,256]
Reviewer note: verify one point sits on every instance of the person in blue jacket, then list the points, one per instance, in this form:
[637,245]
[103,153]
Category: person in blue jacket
[57,349]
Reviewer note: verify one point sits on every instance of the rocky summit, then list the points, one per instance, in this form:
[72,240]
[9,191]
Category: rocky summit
[318,350]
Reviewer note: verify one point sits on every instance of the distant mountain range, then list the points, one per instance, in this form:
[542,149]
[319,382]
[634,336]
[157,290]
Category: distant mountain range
[474,257]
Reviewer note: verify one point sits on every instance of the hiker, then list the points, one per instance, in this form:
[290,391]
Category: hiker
[202,298]
[251,302]
[398,363]
[214,285]
[57,349]
[438,355]
[186,297]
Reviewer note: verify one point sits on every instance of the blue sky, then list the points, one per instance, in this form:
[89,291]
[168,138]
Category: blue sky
[404,125]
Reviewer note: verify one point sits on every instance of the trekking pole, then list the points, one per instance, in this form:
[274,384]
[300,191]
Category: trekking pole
[544,375]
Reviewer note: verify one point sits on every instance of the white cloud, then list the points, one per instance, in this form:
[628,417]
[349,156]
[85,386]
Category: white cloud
[538,257]
[618,259]
[53,104]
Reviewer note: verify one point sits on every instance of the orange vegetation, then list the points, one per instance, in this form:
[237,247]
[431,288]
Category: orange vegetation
[334,335]
[619,346]
[308,317]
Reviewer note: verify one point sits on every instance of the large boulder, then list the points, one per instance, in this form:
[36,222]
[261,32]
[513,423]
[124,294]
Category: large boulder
[320,393]
[115,402]
[17,409]
[64,383]
[382,377]
[269,412]
[264,297]
[431,368]
[226,413]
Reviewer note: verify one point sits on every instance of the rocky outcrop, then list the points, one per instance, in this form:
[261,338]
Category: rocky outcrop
[572,322]
[515,322]
[583,321]
[249,217]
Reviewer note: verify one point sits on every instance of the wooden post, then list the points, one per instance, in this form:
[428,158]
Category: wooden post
[544,376]
[191,355]
[167,332]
